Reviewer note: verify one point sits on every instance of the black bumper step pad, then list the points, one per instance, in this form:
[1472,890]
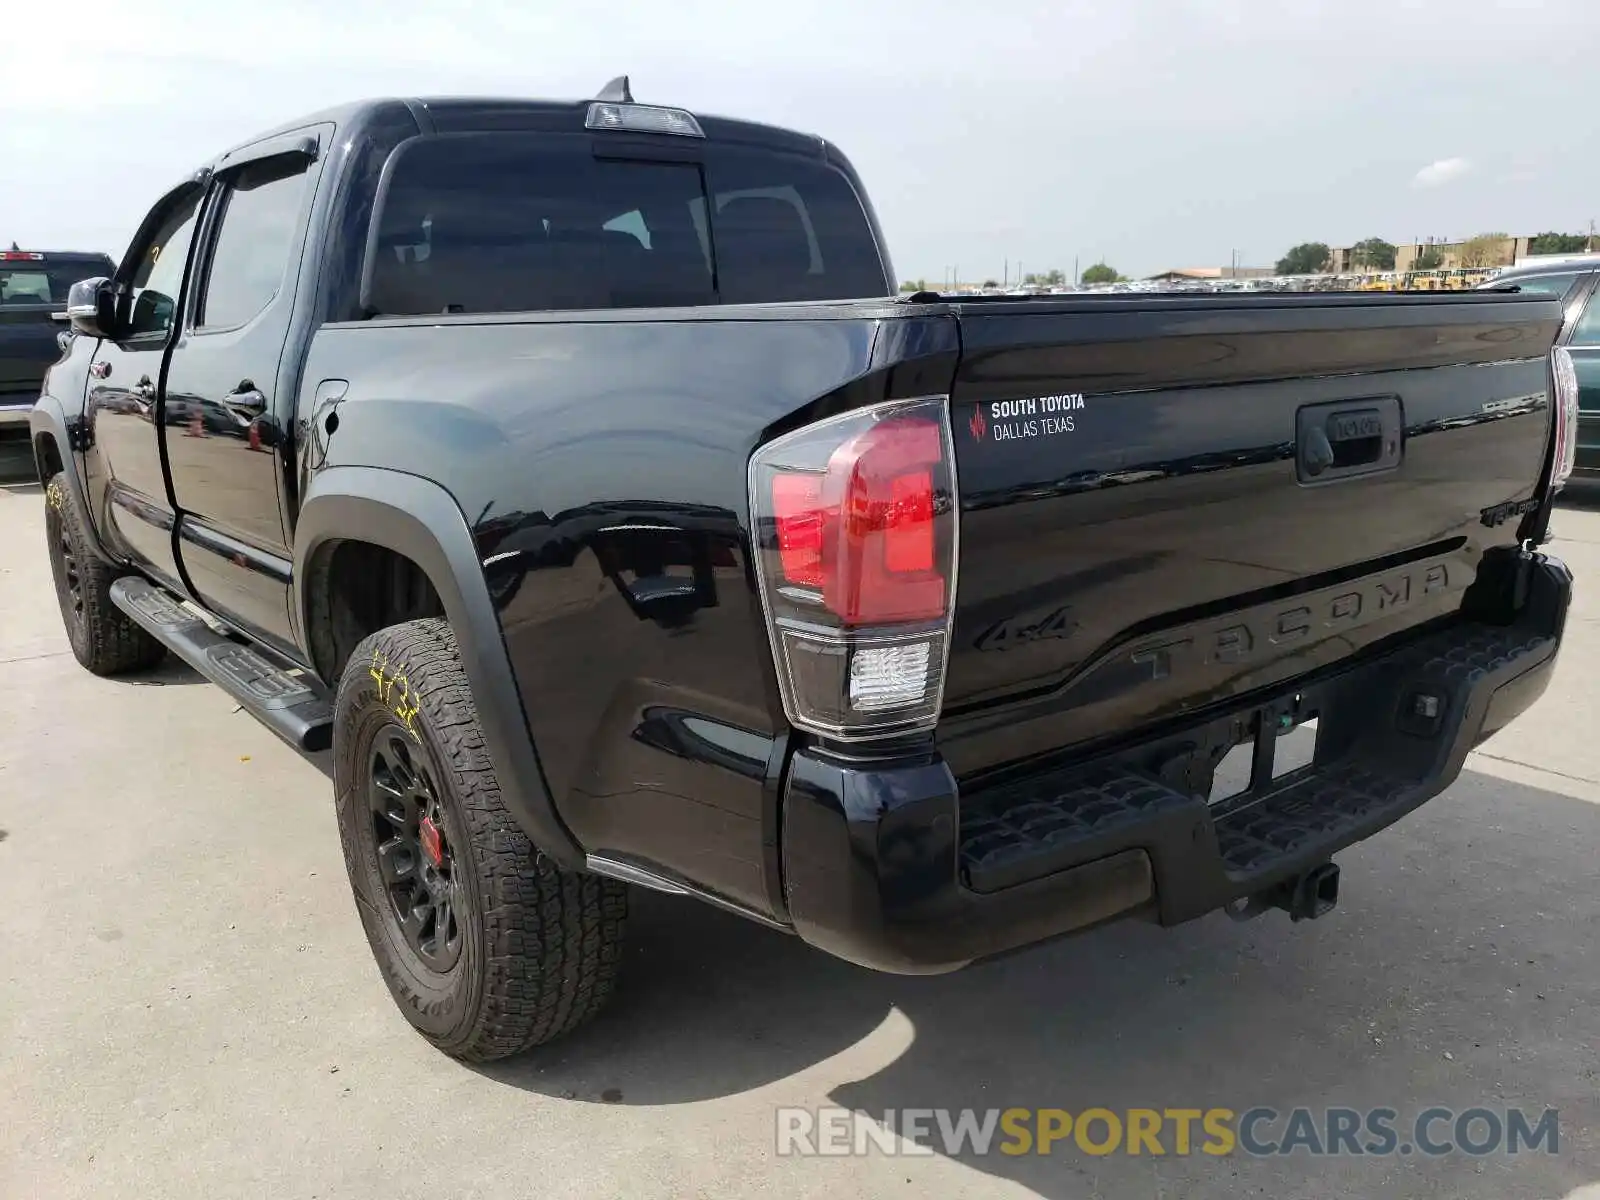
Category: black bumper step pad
[1343,796]
[1005,834]
[1393,731]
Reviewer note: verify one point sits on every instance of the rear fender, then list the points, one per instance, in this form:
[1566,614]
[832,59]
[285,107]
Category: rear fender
[419,519]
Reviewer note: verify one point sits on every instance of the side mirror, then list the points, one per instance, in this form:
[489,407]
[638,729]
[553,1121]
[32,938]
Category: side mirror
[90,307]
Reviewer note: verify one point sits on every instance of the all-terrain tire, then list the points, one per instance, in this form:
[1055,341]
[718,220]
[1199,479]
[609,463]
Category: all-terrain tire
[103,638]
[538,946]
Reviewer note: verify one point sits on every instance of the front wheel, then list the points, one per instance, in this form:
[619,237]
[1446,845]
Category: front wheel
[487,946]
[104,639]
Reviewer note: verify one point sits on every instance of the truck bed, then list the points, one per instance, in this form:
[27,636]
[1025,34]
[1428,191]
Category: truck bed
[1110,576]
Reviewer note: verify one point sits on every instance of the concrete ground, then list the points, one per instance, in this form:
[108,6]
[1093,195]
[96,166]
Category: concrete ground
[188,1008]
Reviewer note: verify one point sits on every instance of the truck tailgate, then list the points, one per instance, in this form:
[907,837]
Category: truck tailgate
[1172,501]
[27,348]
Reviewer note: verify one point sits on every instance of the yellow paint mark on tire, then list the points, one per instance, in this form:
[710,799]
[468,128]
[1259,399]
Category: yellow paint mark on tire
[395,691]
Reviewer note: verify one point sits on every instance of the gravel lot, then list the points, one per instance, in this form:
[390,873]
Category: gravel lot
[187,1007]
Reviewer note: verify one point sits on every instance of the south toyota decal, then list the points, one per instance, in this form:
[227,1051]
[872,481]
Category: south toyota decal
[1030,417]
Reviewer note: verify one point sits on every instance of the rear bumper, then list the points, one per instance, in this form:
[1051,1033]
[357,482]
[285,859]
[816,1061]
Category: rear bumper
[891,866]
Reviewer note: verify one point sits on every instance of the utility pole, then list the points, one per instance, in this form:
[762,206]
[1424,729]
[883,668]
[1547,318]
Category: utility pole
[1075,275]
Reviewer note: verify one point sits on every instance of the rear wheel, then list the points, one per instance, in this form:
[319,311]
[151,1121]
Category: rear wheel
[487,946]
[103,638]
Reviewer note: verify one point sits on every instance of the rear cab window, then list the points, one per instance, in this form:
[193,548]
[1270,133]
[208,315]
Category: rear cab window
[787,228]
[42,282]
[517,222]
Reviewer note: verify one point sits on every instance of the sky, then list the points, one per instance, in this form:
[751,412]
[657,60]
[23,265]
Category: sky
[1146,133]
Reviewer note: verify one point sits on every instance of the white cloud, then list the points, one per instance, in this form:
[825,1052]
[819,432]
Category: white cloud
[1437,174]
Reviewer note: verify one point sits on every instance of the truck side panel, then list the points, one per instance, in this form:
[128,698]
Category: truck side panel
[602,467]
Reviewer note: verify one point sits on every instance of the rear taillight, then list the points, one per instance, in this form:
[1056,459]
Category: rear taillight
[1565,416]
[855,524]
[20,256]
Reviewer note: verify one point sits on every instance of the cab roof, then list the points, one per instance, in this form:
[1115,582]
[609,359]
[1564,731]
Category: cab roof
[484,114]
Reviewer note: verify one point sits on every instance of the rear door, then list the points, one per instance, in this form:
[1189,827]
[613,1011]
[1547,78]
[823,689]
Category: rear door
[228,398]
[1171,501]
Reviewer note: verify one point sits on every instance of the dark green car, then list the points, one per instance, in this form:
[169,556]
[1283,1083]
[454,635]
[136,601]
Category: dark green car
[1578,280]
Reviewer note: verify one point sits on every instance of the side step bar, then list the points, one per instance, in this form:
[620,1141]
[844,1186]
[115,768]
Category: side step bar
[283,698]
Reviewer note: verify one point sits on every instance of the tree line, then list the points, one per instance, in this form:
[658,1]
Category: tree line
[1096,273]
[1311,258]
[1375,254]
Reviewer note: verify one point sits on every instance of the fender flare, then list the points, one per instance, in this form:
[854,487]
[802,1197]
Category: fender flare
[421,520]
[49,416]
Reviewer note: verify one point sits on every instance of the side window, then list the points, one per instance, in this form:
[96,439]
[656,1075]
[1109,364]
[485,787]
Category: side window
[158,278]
[1587,331]
[260,213]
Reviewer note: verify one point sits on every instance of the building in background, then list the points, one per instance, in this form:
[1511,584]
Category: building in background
[1502,254]
[1200,274]
[1505,252]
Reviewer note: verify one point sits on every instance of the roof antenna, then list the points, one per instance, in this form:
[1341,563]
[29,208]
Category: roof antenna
[616,92]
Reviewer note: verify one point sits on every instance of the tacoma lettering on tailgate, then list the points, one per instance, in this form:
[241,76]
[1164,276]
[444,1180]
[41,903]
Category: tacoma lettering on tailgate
[1255,635]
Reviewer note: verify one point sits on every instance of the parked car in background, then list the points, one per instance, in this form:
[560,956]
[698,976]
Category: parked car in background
[33,297]
[1577,281]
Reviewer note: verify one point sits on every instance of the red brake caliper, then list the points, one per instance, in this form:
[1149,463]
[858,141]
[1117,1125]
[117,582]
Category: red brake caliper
[432,842]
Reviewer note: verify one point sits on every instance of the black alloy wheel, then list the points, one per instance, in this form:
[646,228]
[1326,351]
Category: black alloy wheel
[488,946]
[71,578]
[414,856]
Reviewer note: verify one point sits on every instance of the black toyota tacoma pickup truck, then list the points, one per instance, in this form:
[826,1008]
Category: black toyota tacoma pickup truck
[568,469]
[33,301]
